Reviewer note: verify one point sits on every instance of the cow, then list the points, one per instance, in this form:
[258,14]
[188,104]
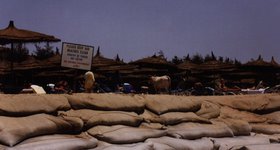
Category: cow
[89,81]
[160,83]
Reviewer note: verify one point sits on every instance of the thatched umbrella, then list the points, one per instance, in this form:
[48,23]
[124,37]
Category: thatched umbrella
[154,61]
[11,35]
[99,61]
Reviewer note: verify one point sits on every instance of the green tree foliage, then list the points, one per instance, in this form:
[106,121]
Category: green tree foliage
[44,52]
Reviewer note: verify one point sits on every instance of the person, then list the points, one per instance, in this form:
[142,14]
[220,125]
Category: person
[62,87]
[222,89]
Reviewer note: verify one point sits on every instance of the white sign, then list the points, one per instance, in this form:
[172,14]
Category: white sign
[76,56]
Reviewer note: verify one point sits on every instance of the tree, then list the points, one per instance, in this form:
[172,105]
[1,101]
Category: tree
[260,57]
[197,59]
[176,60]
[236,62]
[117,58]
[57,51]
[98,52]
[187,58]
[221,59]
[207,58]
[45,52]
[161,54]
[213,56]
[20,53]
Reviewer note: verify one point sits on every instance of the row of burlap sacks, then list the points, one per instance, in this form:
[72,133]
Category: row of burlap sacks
[116,121]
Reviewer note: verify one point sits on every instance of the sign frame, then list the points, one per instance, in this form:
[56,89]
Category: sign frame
[76,56]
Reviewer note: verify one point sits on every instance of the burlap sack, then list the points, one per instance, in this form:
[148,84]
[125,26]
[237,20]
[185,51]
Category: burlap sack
[120,134]
[76,123]
[195,130]
[265,128]
[149,116]
[229,143]
[16,129]
[227,112]
[152,126]
[251,103]
[180,144]
[274,103]
[273,118]
[108,102]
[258,147]
[173,118]
[273,138]
[57,142]
[160,104]
[93,117]
[238,127]
[208,110]
[136,146]
[28,104]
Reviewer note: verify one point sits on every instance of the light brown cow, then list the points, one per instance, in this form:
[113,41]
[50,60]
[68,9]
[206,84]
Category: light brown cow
[161,83]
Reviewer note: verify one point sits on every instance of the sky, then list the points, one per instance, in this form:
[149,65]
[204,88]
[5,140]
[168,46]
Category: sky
[134,29]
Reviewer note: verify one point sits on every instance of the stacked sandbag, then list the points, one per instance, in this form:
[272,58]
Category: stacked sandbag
[57,142]
[134,146]
[230,143]
[169,143]
[251,103]
[111,118]
[272,146]
[196,130]
[209,110]
[96,117]
[172,118]
[16,129]
[107,102]
[119,121]
[227,112]
[28,104]
[179,114]
[238,127]
[160,104]
[29,121]
[120,134]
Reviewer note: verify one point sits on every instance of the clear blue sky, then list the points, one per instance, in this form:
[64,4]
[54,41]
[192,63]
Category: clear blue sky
[134,29]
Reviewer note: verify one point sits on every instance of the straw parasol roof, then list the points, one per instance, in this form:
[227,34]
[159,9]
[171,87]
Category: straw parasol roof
[11,34]
[100,61]
[187,65]
[261,63]
[215,65]
[33,63]
[154,62]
